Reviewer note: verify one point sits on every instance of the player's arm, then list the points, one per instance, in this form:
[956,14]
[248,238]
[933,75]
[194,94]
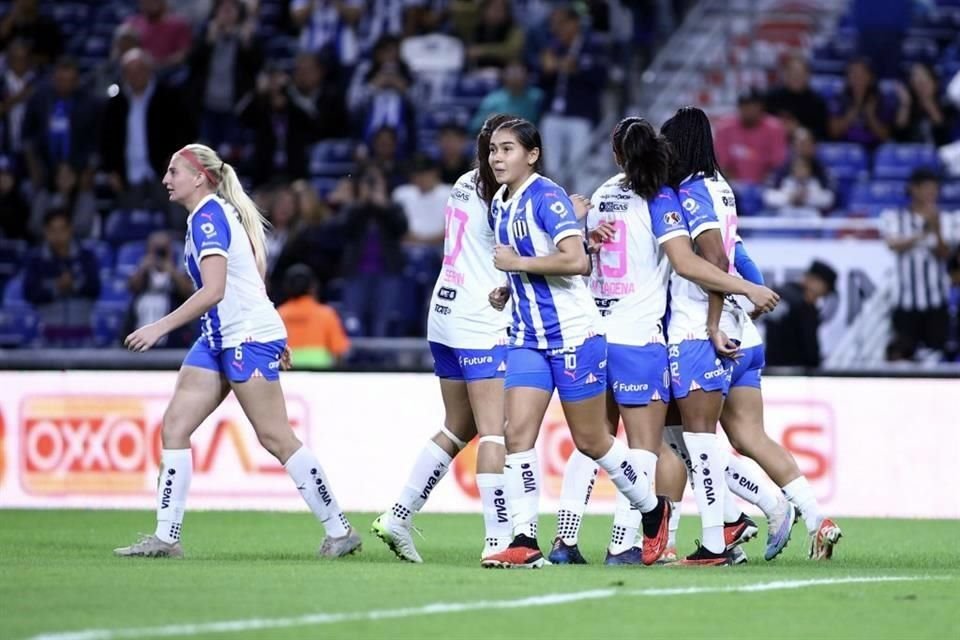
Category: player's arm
[570,259]
[213,272]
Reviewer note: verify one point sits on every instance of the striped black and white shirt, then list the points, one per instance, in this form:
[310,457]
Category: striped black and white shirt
[921,274]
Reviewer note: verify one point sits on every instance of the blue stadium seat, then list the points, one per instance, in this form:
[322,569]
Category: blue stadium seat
[13,292]
[324,186]
[102,250]
[950,194]
[897,161]
[128,226]
[129,256]
[828,86]
[868,199]
[332,158]
[920,50]
[114,290]
[19,325]
[12,253]
[108,319]
[441,115]
[842,154]
[749,198]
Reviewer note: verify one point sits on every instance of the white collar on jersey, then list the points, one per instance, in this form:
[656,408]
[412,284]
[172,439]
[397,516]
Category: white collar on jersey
[519,192]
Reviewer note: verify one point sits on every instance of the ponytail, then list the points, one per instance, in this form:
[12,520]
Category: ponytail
[250,217]
[646,159]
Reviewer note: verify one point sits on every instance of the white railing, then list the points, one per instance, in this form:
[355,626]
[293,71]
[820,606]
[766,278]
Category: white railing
[863,346]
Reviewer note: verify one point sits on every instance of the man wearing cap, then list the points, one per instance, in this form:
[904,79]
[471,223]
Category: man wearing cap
[792,327]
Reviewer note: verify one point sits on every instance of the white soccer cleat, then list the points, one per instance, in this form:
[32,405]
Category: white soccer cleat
[150,546]
[397,537]
[342,546]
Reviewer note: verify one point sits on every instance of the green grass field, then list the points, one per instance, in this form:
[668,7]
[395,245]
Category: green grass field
[256,573]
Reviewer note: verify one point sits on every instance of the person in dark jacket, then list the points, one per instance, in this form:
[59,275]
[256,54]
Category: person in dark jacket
[143,126]
[372,230]
[792,327]
[62,280]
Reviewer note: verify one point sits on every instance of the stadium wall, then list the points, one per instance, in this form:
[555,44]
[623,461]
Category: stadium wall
[91,440]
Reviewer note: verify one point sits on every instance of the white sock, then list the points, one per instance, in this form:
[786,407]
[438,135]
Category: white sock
[522,474]
[673,525]
[709,462]
[428,470]
[745,483]
[579,477]
[800,493]
[306,472]
[674,437]
[646,462]
[176,469]
[626,478]
[496,517]
[731,510]
[626,519]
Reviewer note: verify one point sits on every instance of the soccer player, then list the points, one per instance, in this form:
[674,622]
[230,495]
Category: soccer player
[468,340]
[629,284]
[556,343]
[241,349]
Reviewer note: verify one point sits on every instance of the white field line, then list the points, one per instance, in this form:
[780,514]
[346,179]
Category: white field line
[316,619]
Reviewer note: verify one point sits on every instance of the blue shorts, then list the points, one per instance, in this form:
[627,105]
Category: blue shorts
[747,370]
[638,375]
[451,363]
[577,373]
[694,364]
[240,363]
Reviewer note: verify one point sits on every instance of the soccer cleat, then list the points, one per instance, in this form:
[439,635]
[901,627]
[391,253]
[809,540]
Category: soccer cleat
[779,525]
[396,536]
[563,553]
[656,531]
[523,553]
[632,556]
[703,557]
[738,555]
[150,546]
[743,530]
[669,556]
[342,546]
[822,541]
[494,545]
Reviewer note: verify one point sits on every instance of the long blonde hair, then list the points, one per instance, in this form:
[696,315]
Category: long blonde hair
[224,180]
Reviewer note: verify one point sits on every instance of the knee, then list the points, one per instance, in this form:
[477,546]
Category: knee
[280,445]
[175,432]
[594,446]
[519,437]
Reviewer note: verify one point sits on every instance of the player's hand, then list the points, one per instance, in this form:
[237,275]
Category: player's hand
[286,360]
[581,205]
[506,258]
[604,232]
[764,300]
[143,338]
[723,345]
[498,298]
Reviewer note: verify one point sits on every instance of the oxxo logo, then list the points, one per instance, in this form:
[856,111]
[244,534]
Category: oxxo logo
[111,444]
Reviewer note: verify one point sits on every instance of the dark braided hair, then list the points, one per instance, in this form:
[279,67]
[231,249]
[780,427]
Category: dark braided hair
[486,181]
[646,158]
[689,133]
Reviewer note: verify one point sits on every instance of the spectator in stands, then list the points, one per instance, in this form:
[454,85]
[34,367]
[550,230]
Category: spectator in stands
[283,216]
[329,26]
[19,82]
[14,207]
[318,93]
[385,155]
[62,280]
[109,73]
[802,145]
[70,194]
[453,153]
[497,38]
[792,327]
[144,124]
[159,285]
[515,97]
[423,202]
[914,233]
[923,115]
[800,193]
[223,65]
[378,94]
[372,230]
[25,22]
[60,127]
[197,11]
[165,35]
[752,144]
[794,102]
[861,114]
[315,334]
[572,74]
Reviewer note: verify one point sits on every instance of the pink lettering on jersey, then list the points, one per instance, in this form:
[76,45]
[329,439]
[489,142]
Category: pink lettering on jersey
[456,226]
[730,240]
[617,249]
[452,276]
[612,288]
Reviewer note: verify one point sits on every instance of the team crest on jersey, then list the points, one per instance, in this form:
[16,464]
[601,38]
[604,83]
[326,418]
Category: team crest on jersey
[520,228]
[671,217]
[558,208]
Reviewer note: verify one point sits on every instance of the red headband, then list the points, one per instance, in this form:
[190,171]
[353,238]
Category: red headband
[194,162]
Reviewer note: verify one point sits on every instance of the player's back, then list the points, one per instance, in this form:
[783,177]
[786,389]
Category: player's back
[245,313]
[460,313]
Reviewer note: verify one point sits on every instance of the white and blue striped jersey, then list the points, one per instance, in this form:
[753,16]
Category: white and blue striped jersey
[630,278]
[549,312]
[706,203]
[460,314]
[245,314]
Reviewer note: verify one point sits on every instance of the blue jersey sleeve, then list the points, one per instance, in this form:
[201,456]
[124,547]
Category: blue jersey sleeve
[665,218]
[745,265]
[553,211]
[210,231]
[697,207]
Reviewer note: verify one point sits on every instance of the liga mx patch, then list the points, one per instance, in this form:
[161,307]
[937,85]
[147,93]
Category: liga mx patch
[671,218]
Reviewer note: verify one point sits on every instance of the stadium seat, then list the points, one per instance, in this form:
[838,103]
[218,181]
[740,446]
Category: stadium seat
[842,154]
[920,50]
[13,292]
[128,226]
[749,199]
[102,250]
[828,86]
[897,161]
[332,158]
[114,290]
[19,325]
[868,199]
[129,256]
[324,186]
[108,319]
[11,258]
[950,195]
